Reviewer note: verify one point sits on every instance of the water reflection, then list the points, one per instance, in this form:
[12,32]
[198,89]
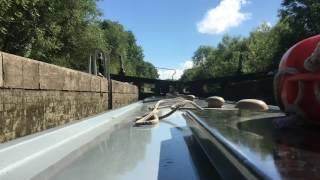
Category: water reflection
[182,158]
[227,122]
[298,153]
[200,160]
[291,153]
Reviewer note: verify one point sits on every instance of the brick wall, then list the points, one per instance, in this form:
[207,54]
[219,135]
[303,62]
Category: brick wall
[35,96]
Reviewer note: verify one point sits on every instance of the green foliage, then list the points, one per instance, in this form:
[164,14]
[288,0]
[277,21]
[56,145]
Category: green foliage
[302,17]
[260,46]
[263,49]
[202,53]
[222,60]
[122,44]
[18,25]
[65,33]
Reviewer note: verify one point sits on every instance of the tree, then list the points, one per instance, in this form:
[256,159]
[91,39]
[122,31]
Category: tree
[263,49]
[18,25]
[234,55]
[191,74]
[302,17]
[262,44]
[122,44]
[201,54]
[299,19]
[65,33]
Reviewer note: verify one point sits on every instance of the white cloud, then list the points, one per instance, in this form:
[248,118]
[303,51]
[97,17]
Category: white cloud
[223,17]
[167,74]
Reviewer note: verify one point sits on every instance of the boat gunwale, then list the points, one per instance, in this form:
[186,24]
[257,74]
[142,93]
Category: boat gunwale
[241,159]
[48,148]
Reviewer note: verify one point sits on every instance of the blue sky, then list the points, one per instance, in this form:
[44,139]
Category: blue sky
[171,30]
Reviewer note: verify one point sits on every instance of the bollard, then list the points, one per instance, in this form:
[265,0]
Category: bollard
[252,104]
[190,97]
[215,102]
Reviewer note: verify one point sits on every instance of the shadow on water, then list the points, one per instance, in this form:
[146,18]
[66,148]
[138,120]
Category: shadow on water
[182,158]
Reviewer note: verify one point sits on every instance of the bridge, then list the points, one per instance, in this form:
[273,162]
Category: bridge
[232,87]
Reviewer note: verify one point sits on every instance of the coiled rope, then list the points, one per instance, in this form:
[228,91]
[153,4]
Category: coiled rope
[153,116]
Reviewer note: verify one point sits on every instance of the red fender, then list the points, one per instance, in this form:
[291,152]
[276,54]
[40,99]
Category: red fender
[297,89]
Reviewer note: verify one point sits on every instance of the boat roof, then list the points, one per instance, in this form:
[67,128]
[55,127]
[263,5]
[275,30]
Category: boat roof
[109,146]
[254,137]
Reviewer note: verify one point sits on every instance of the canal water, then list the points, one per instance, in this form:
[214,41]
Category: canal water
[164,151]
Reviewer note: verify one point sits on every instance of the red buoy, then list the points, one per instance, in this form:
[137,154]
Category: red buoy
[297,83]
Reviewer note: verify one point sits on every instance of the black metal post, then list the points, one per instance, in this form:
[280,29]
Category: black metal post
[122,71]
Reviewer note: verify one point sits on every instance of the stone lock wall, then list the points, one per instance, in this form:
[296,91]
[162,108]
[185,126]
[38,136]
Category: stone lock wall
[123,94]
[35,96]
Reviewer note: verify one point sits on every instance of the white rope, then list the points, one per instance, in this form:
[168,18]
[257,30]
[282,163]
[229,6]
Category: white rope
[150,118]
[153,117]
